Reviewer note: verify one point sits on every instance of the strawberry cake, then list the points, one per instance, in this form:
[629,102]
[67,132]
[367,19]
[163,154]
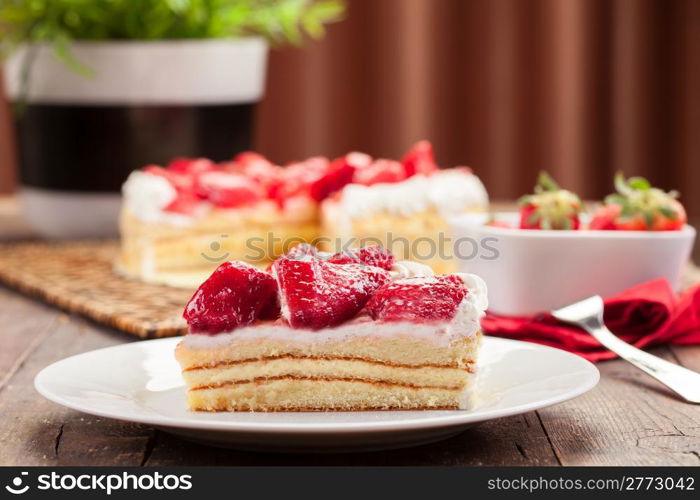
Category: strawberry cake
[332,332]
[180,221]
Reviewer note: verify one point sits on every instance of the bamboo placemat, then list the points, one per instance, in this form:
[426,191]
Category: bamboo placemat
[79,277]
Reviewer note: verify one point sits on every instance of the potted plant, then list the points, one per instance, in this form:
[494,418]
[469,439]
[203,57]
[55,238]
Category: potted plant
[101,87]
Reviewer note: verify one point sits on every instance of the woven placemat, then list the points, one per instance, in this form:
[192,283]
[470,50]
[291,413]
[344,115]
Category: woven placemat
[79,277]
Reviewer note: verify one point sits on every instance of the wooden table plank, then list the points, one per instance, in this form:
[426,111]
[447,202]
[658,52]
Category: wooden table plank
[25,324]
[35,431]
[687,355]
[628,419]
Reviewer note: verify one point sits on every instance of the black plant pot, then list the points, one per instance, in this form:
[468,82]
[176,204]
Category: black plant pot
[147,102]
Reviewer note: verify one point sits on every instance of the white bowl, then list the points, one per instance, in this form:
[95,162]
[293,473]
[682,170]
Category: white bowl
[531,271]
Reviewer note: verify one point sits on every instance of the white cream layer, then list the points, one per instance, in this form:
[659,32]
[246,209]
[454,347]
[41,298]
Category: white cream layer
[450,191]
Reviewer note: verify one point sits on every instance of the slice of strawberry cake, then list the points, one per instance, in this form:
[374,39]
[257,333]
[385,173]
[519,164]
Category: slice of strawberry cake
[405,206]
[323,332]
[179,222]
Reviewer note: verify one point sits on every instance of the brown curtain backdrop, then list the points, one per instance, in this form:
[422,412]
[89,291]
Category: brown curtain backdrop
[581,88]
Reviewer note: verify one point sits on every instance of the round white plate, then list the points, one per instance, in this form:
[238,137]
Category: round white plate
[140,382]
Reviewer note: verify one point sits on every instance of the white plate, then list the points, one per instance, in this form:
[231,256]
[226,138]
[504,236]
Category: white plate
[140,382]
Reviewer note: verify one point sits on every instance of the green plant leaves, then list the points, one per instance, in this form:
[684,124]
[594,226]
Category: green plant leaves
[61,21]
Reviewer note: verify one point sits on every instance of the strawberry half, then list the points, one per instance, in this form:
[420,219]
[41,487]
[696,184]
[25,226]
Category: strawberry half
[380,171]
[550,207]
[236,294]
[228,190]
[340,173]
[317,294]
[420,159]
[372,255]
[637,206]
[433,298]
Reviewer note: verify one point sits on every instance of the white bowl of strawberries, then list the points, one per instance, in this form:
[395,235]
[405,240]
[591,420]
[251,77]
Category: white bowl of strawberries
[553,252]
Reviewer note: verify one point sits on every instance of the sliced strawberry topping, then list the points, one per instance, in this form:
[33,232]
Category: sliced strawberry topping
[372,255]
[340,173]
[316,294]
[302,250]
[181,182]
[297,178]
[191,166]
[185,203]
[258,168]
[380,171]
[420,159]
[434,298]
[228,190]
[236,294]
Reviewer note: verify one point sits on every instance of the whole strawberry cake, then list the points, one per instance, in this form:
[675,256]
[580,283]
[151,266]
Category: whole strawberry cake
[319,331]
[180,221]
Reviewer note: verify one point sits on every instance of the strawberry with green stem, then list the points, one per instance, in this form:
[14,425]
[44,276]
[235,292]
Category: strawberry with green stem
[638,206]
[550,207]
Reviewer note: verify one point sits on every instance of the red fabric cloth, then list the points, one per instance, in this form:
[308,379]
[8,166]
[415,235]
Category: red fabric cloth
[644,315]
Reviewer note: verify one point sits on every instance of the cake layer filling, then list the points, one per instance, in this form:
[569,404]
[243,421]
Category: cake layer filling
[397,343]
[309,395]
[318,368]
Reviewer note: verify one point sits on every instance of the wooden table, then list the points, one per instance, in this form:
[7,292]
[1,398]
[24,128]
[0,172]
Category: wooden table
[628,419]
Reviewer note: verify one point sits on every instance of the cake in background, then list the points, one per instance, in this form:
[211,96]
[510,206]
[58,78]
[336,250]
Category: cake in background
[180,221]
[404,206]
[332,332]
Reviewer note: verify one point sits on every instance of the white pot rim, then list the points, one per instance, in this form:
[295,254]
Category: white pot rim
[127,43]
[145,72]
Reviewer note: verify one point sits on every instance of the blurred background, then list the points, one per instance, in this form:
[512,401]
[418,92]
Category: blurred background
[580,88]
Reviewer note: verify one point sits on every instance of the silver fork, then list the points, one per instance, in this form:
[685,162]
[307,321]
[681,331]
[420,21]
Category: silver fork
[588,314]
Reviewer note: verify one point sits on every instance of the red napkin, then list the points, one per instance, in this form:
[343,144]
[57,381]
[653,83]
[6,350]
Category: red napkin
[644,315]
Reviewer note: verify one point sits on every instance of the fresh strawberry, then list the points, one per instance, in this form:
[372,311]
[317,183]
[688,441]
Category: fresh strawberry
[340,173]
[493,222]
[316,294]
[236,294]
[550,207]
[373,255]
[420,159]
[433,298]
[605,217]
[228,190]
[191,166]
[637,206]
[380,171]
